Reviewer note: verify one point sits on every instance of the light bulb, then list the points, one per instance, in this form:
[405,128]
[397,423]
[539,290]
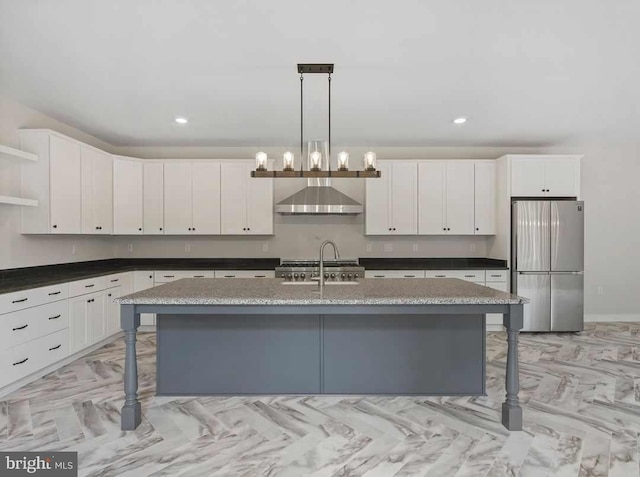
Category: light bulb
[261,161]
[287,161]
[316,160]
[343,161]
[370,161]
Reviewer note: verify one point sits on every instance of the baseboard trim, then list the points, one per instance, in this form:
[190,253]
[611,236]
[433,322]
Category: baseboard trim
[629,317]
[9,388]
[147,329]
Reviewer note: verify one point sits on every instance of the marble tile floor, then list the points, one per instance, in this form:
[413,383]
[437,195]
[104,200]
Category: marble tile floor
[580,393]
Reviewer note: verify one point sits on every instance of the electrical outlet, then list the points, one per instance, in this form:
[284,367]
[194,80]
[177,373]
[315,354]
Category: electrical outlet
[187,247]
[73,249]
[130,247]
[369,247]
[387,247]
[265,247]
[415,247]
[600,290]
[472,247]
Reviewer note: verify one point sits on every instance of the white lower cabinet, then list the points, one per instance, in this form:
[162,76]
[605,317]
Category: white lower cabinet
[112,311]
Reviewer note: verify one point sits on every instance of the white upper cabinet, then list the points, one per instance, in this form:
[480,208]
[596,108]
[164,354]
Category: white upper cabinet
[485,198]
[459,203]
[545,176]
[127,196]
[192,198]
[177,198]
[391,200]
[446,197]
[153,198]
[431,198]
[246,202]
[97,191]
[55,181]
[206,198]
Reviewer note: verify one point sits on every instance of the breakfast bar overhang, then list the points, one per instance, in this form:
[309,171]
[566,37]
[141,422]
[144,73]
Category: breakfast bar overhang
[400,337]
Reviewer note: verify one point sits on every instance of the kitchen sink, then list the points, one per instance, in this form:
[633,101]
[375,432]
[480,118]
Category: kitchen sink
[316,283]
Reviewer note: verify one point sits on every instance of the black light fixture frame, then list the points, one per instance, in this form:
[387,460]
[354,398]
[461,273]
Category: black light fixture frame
[315,68]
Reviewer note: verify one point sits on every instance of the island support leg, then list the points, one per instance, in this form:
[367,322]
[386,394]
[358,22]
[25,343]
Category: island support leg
[511,410]
[131,414]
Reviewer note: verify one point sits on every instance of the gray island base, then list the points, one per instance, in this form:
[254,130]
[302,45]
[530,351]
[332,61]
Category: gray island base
[400,337]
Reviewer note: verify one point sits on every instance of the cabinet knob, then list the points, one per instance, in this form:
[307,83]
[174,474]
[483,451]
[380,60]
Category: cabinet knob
[477,228]
[444,228]
[160,228]
[244,228]
[248,228]
[55,226]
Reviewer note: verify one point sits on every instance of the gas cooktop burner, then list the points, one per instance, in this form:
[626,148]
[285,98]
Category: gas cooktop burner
[316,263]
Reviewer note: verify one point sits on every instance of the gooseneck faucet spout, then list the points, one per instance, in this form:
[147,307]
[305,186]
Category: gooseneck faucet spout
[336,256]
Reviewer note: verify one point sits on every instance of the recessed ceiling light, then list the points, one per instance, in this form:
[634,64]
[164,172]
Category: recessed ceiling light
[181,120]
[459,120]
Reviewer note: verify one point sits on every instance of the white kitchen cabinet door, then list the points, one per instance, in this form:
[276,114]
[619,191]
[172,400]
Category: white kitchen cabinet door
[404,198]
[206,198]
[143,280]
[112,311]
[65,184]
[378,202]
[431,198]
[233,198]
[177,198]
[459,197]
[127,196]
[561,177]
[485,198]
[97,191]
[528,177]
[97,317]
[78,323]
[153,198]
[259,204]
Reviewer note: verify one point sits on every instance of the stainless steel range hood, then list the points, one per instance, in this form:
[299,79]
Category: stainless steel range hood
[318,198]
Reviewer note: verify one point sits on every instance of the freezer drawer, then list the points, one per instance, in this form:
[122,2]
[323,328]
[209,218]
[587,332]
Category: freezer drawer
[567,302]
[567,236]
[537,288]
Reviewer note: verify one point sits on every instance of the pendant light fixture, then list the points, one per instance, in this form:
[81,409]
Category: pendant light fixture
[318,152]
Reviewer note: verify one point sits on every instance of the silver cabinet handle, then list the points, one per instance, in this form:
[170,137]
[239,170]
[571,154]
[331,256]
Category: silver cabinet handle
[20,327]
[20,362]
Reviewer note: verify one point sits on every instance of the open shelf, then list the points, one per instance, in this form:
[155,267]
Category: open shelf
[7,152]
[7,199]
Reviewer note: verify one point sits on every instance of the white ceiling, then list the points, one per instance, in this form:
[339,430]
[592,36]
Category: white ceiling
[524,72]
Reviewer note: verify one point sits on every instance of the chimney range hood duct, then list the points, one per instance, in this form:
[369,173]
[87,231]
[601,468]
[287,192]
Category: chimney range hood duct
[318,198]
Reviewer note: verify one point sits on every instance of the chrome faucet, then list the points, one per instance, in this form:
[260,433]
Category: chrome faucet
[336,256]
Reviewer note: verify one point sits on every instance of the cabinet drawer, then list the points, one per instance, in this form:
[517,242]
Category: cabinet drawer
[245,274]
[497,275]
[394,274]
[26,325]
[166,276]
[17,362]
[15,301]
[89,285]
[51,348]
[119,279]
[476,276]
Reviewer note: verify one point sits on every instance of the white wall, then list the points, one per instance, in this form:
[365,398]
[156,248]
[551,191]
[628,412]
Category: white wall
[18,250]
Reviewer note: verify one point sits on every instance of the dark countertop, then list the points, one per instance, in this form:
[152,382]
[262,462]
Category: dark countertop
[433,264]
[17,279]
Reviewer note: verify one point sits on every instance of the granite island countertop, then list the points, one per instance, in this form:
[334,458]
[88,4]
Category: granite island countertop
[272,291]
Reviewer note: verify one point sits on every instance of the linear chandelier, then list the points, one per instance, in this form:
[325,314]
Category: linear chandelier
[318,152]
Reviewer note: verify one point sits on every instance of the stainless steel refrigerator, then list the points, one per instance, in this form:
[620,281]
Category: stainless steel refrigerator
[547,263]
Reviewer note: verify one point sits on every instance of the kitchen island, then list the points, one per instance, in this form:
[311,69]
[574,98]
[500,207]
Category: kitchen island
[395,336]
